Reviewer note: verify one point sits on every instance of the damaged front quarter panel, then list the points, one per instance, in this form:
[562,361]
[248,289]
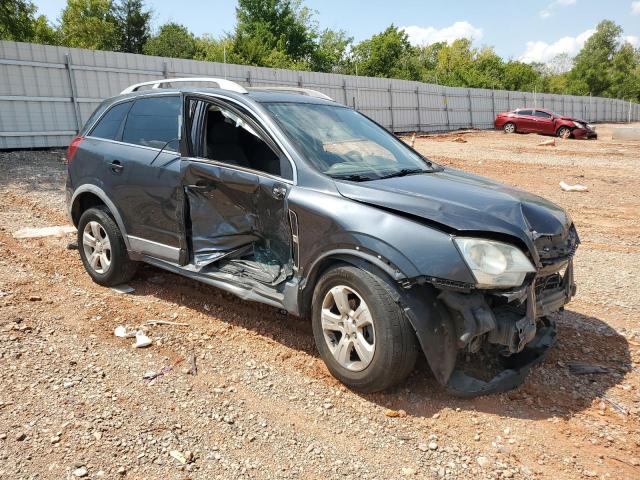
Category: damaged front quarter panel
[512,326]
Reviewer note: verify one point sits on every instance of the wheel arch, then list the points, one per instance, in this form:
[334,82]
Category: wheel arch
[88,196]
[367,261]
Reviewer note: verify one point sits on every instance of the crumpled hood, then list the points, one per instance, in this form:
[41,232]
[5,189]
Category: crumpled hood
[464,202]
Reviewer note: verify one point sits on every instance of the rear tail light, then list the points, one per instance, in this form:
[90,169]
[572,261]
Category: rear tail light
[73,147]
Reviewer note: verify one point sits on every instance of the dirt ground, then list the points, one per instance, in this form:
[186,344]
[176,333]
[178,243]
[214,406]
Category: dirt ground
[73,401]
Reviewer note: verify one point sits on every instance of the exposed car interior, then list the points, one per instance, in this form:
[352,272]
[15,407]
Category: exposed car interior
[227,138]
[249,248]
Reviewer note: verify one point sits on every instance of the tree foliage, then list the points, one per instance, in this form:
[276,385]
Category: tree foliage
[172,40]
[285,34]
[133,25]
[18,22]
[89,24]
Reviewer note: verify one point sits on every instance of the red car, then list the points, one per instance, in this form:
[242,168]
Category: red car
[544,122]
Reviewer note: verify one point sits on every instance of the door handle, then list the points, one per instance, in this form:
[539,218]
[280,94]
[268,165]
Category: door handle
[279,191]
[116,166]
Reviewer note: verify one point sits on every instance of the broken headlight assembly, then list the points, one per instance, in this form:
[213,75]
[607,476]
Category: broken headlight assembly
[494,264]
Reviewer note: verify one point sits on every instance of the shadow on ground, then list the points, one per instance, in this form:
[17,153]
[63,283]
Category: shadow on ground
[550,390]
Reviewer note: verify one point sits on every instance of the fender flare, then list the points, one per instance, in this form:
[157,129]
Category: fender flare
[98,192]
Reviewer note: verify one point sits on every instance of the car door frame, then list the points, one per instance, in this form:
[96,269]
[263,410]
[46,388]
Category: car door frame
[545,125]
[251,117]
[525,123]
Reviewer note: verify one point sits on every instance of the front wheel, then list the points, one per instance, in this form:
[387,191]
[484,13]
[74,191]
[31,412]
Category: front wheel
[360,331]
[509,127]
[564,132]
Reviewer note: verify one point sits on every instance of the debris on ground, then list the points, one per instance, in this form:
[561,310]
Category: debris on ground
[142,340]
[573,188]
[72,245]
[193,370]
[44,232]
[149,376]
[123,289]
[167,322]
[548,143]
[412,142]
[459,140]
[183,458]
[615,405]
[578,368]
[395,413]
[122,332]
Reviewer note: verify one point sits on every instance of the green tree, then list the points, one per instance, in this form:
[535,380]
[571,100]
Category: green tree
[387,54]
[133,25]
[172,40]
[330,54]
[275,33]
[89,24]
[18,22]
[624,73]
[591,65]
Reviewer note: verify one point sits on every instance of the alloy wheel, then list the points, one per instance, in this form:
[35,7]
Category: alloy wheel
[348,328]
[97,247]
[509,128]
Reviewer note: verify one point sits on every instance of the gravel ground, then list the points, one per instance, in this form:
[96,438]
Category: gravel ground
[74,402]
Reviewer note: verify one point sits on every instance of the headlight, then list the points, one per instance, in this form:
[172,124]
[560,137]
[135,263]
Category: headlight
[578,124]
[494,264]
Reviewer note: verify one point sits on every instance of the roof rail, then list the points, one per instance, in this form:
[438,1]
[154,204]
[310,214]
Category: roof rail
[224,84]
[302,91]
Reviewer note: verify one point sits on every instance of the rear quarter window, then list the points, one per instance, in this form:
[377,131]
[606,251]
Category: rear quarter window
[109,125]
[153,122]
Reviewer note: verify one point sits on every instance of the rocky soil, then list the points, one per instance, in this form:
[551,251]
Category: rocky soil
[78,402]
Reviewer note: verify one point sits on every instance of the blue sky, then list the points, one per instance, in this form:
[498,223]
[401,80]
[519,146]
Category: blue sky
[531,31]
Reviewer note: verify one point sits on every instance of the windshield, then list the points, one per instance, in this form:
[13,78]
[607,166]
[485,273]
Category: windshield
[342,143]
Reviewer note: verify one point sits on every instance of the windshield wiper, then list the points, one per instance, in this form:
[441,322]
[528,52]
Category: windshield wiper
[354,177]
[404,171]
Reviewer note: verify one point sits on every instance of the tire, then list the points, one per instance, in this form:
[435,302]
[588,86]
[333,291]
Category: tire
[394,350]
[564,132]
[509,127]
[111,265]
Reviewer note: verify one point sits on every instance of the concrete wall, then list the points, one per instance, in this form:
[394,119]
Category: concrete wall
[48,92]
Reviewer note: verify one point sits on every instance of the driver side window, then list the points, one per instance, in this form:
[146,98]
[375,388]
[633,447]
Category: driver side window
[221,134]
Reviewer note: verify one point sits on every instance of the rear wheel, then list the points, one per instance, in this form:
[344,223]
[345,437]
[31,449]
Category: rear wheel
[509,127]
[102,249]
[564,132]
[360,331]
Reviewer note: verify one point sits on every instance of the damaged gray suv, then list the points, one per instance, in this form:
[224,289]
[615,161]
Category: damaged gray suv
[285,197]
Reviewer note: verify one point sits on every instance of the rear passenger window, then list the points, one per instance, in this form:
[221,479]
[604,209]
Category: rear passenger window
[109,124]
[153,122]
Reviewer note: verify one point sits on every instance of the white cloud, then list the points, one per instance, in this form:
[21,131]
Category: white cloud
[550,9]
[540,51]
[633,40]
[635,7]
[428,35]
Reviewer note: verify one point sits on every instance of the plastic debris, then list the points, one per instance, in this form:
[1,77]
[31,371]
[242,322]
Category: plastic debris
[548,143]
[44,232]
[122,332]
[183,458]
[142,340]
[573,188]
[149,376]
[123,288]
